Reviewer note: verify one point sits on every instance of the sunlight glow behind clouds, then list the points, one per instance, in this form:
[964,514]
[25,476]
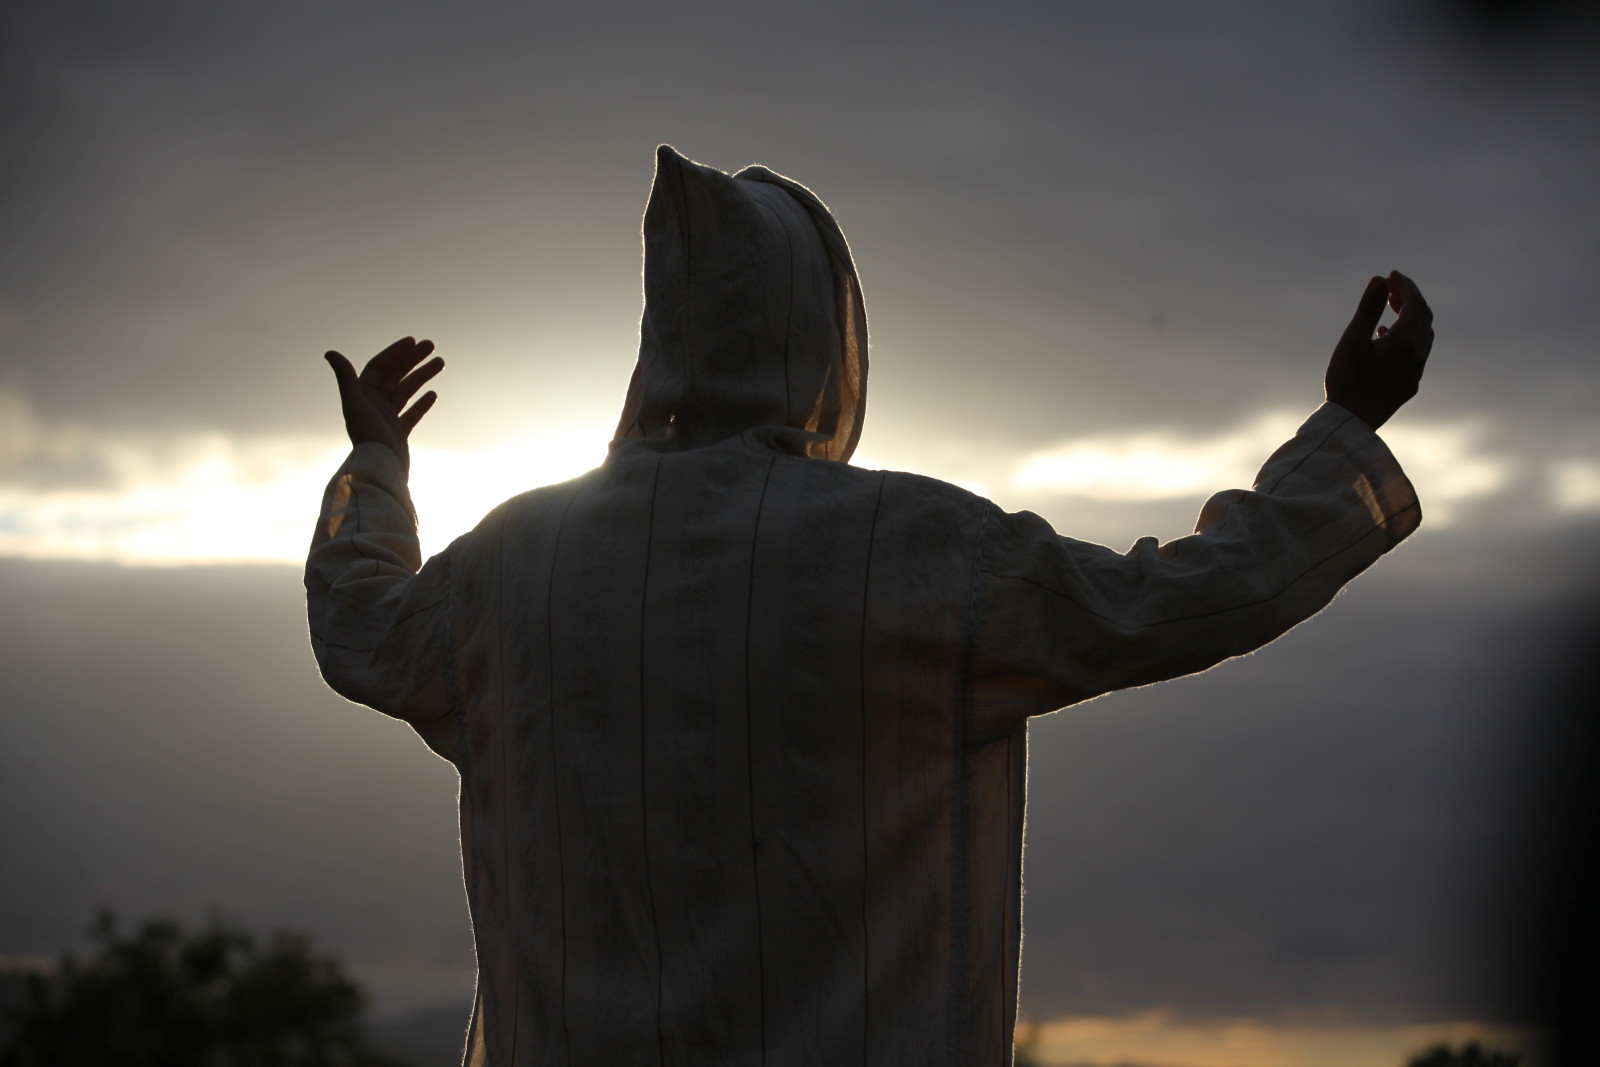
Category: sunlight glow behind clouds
[453,490]
[1575,485]
[216,499]
[208,500]
[1445,460]
[1155,466]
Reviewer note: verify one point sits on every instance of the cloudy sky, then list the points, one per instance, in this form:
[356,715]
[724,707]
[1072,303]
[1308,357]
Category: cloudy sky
[1105,249]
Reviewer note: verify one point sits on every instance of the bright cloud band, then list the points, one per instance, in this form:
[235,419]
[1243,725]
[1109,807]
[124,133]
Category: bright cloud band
[216,499]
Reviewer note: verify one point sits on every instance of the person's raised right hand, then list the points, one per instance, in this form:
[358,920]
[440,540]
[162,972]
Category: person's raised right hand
[1368,376]
[373,399]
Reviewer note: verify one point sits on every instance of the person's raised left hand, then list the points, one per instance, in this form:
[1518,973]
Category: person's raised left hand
[1371,378]
[374,399]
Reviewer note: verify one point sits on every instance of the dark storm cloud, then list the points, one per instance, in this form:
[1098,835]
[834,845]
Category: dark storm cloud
[1126,218]
[1332,822]
[168,748]
[1316,826]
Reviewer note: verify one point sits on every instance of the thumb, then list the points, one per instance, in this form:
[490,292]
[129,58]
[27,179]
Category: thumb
[342,369]
[1368,312]
[345,373]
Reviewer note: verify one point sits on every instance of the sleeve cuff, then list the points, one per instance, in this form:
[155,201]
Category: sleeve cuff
[1376,475]
[377,465]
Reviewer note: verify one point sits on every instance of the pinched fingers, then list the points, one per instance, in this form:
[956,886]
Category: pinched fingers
[1412,310]
[1368,312]
[1412,331]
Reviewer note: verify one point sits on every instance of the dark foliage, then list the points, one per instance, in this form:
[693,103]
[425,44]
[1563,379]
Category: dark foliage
[1471,1054]
[213,997]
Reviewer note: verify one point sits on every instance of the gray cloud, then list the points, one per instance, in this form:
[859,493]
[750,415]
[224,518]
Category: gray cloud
[1319,826]
[168,748]
[201,198]
[209,196]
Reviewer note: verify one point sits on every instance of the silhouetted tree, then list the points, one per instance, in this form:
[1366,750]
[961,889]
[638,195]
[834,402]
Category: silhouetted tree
[1471,1054]
[213,997]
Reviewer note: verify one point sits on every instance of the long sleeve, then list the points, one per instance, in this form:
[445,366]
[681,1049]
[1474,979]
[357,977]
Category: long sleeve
[1057,621]
[378,618]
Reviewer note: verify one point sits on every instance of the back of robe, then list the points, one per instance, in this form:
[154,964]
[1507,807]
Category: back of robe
[717,785]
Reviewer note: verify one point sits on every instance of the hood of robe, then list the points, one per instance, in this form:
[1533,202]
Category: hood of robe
[753,317]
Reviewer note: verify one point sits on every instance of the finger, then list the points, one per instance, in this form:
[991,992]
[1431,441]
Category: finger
[393,363]
[1405,348]
[401,363]
[410,419]
[1408,303]
[1368,312]
[380,368]
[1424,346]
[1382,330]
[407,387]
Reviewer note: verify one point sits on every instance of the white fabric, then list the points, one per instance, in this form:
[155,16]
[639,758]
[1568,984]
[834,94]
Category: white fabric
[742,730]
[753,314]
[742,735]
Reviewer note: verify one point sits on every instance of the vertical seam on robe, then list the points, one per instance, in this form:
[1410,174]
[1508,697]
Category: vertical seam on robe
[355,505]
[469,876]
[555,760]
[463,799]
[750,770]
[502,792]
[866,862]
[1005,913]
[961,830]
[452,683]
[788,322]
[788,314]
[644,785]
[1014,944]
[687,314]
[452,688]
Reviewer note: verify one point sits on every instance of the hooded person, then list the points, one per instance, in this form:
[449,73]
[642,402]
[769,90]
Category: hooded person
[742,728]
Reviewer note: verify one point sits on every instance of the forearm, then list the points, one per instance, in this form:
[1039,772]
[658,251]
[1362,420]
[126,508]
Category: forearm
[366,537]
[373,619]
[1087,620]
[1324,507]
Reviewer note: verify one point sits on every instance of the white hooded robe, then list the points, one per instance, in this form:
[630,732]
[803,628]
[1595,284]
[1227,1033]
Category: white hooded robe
[742,728]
